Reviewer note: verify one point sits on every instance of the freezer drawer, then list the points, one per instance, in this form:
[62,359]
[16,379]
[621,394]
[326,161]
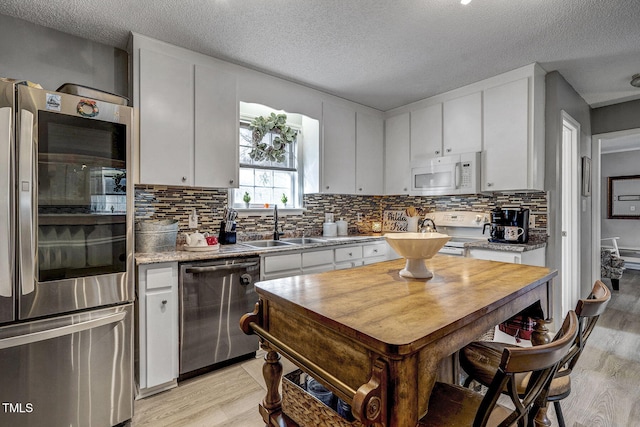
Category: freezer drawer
[68,371]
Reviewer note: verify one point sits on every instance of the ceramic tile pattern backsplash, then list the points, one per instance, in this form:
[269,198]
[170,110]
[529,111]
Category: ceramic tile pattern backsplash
[162,202]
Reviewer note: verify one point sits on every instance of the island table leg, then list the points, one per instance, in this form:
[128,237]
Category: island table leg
[272,372]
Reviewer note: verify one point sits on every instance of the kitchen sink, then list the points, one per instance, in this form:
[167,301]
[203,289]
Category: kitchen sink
[267,243]
[303,240]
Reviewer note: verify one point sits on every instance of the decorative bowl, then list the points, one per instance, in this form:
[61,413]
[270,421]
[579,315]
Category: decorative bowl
[416,248]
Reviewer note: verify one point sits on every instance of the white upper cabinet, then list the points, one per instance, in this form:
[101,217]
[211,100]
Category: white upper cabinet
[462,124]
[397,171]
[446,128]
[166,87]
[188,117]
[513,155]
[426,132]
[216,128]
[352,149]
[369,150]
[338,149]
[502,117]
[506,113]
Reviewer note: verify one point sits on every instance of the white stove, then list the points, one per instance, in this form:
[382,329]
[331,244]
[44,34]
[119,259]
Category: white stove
[464,227]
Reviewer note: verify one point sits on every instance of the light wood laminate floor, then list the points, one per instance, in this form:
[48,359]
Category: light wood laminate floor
[606,381]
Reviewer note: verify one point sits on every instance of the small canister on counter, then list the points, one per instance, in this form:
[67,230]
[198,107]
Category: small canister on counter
[343,227]
[329,229]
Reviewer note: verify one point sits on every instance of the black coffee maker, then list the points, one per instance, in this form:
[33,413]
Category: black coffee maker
[512,217]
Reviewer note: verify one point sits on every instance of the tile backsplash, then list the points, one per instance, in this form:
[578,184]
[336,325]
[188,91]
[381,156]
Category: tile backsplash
[162,202]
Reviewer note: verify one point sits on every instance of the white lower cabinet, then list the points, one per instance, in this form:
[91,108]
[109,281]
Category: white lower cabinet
[323,259]
[374,252]
[348,257]
[275,266]
[317,261]
[534,257]
[348,254]
[161,311]
[157,327]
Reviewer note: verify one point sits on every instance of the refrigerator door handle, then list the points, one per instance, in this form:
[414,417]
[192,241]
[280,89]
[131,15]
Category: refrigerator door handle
[7,249]
[25,195]
[61,331]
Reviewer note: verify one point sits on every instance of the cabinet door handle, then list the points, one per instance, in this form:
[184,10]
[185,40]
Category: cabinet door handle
[327,187]
[351,254]
[230,181]
[437,151]
[360,189]
[164,301]
[489,184]
[448,150]
[375,251]
[184,179]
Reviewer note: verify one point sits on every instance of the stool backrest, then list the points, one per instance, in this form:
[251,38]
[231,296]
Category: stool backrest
[588,311]
[542,361]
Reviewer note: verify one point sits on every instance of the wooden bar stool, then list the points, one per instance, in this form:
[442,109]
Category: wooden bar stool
[481,359]
[454,405]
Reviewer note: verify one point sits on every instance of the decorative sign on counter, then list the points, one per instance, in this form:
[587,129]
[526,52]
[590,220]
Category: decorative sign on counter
[394,221]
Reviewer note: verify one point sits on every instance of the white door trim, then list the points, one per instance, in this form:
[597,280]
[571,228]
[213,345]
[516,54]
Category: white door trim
[570,222]
[596,192]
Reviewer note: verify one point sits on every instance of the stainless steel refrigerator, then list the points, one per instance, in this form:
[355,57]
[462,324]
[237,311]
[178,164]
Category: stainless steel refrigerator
[66,266]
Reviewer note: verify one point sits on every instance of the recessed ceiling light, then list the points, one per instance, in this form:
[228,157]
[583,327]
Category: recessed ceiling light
[635,80]
[465,2]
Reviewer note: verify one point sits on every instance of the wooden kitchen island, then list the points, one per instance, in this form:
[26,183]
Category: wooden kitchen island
[377,339]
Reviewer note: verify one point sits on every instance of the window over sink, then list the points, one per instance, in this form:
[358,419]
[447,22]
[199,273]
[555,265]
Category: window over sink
[268,181]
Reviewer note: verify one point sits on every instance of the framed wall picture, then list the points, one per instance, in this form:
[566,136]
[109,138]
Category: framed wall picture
[586,176]
[624,197]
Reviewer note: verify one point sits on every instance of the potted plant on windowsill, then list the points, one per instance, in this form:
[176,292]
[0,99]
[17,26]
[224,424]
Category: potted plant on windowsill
[246,198]
[276,124]
[284,199]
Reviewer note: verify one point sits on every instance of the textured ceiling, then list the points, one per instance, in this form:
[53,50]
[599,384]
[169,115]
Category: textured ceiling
[380,53]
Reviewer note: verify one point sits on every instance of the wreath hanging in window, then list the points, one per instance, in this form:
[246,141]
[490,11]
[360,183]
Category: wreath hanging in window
[276,124]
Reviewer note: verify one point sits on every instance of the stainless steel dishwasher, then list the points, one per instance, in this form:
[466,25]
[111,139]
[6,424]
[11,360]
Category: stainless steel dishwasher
[213,296]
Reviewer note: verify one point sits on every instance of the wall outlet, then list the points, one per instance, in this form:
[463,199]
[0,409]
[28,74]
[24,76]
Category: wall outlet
[193,219]
[532,221]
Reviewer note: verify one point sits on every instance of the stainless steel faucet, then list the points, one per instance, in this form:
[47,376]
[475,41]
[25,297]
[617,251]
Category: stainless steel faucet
[426,228]
[276,233]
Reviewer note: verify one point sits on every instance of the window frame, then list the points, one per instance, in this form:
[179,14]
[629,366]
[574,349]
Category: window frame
[297,180]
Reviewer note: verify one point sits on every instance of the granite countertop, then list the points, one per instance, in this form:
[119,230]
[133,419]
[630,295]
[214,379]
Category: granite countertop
[241,250]
[507,247]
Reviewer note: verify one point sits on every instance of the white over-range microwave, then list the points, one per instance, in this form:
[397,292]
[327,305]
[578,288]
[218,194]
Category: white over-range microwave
[447,175]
